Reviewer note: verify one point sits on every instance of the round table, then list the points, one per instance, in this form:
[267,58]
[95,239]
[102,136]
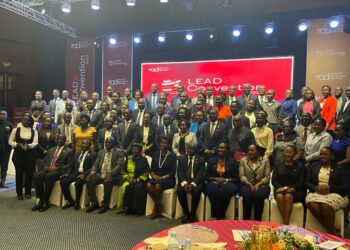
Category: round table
[224,230]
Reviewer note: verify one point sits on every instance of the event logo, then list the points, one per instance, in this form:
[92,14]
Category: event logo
[330,52]
[331,76]
[169,86]
[80,45]
[327,31]
[116,62]
[115,82]
[159,69]
[118,44]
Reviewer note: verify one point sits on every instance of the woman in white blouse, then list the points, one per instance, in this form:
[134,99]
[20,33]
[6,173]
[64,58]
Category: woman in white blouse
[183,139]
[24,140]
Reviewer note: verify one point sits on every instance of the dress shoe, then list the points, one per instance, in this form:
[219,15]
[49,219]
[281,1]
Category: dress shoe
[76,206]
[68,205]
[185,218]
[37,207]
[102,210]
[92,208]
[28,196]
[44,207]
[3,185]
[20,197]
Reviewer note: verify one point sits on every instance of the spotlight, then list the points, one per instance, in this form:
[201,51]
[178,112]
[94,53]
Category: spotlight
[137,38]
[130,3]
[334,22]
[269,28]
[95,4]
[66,7]
[43,11]
[237,31]
[112,40]
[161,37]
[189,35]
[164,1]
[302,25]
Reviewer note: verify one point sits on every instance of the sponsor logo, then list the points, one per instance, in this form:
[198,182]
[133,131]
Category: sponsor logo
[121,81]
[330,52]
[80,45]
[327,31]
[331,76]
[118,44]
[159,69]
[116,62]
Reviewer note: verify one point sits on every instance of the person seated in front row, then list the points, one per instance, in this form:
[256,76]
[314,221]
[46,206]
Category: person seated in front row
[190,173]
[254,173]
[55,165]
[81,167]
[163,169]
[107,170]
[222,181]
[327,184]
[288,181]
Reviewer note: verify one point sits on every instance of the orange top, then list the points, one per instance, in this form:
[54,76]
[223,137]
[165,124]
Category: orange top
[329,111]
[223,112]
[220,169]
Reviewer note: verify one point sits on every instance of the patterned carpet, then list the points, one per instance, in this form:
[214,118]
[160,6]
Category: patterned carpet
[69,229]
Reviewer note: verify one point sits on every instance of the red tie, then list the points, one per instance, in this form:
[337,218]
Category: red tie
[55,157]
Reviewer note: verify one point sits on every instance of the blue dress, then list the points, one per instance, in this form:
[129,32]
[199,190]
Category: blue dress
[289,109]
[339,150]
[164,166]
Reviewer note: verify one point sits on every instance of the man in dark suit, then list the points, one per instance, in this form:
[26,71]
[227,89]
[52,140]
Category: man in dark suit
[81,167]
[235,110]
[56,164]
[152,98]
[210,97]
[5,149]
[107,170]
[184,103]
[213,133]
[167,130]
[107,131]
[176,98]
[242,99]
[126,130]
[53,103]
[231,95]
[157,119]
[190,173]
[67,128]
[344,113]
[167,109]
[96,116]
[137,115]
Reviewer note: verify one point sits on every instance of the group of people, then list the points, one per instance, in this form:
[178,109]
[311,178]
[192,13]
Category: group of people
[218,145]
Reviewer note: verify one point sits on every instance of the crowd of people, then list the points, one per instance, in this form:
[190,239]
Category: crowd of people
[218,145]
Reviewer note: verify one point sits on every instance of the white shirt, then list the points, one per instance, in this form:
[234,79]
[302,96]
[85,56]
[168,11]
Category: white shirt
[25,134]
[81,164]
[145,135]
[106,165]
[188,163]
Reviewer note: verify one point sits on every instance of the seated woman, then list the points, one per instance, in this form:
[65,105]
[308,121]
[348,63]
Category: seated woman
[183,139]
[222,181]
[163,169]
[327,184]
[146,135]
[288,180]
[133,193]
[84,132]
[254,173]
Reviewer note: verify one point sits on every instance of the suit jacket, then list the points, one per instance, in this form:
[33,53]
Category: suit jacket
[135,114]
[219,136]
[240,141]
[190,138]
[101,138]
[7,128]
[228,122]
[231,169]
[126,139]
[227,101]
[337,178]
[64,160]
[344,116]
[154,120]
[75,117]
[116,162]
[149,101]
[138,136]
[316,112]
[87,165]
[198,170]
[161,133]
[189,107]
[174,100]
[37,108]
[241,100]
[329,111]
[248,173]
[171,111]
[44,142]
[61,129]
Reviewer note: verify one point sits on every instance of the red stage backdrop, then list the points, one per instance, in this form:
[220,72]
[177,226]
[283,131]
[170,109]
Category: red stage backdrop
[275,73]
[117,64]
[80,63]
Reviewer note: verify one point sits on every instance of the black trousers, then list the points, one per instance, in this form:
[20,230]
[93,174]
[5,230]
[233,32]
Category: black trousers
[66,181]
[24,162]
[257,198]
[195,198]
[108,185]
[4,162]
[44,182]
[135,198]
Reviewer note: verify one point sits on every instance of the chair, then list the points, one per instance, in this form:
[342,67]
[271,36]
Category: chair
[168,201]
[84,199]
[114,195]
[312,222]
[230,211]
[266,211]
[56,195]
[200,210]
[297,215]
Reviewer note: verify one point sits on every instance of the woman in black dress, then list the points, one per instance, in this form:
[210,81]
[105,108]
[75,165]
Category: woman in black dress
[46,137]
[288,180]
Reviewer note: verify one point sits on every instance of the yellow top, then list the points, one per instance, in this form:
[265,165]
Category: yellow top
[80,135]
[264,138]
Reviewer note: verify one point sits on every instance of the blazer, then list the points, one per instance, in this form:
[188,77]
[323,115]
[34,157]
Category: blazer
[291,176]
[7,128]
[316,112]
[149,101]
[64,160]
[219,136]
[62,131]
[240,141]
[174,99]
[87,165]
[142,167]
[198,170]
[44,142]
[37,108]
[337,178]
[52,106]
[125,139]
[161,133]
[344,116]
[241,101]
[116,162]
[228,122]
[261,172]
[135,114]
[75,117]
[101,138]
[189,107]
[329,111]
[154,120]
[138,136]
[231,169]
[190,138]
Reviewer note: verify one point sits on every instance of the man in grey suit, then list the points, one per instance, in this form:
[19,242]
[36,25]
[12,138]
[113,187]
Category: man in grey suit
[125,130]
[56,164]
[54,103]
[152,99]
[184,103]
[107,170]
[242,99]
[67,128]
[69,108]
[96,116]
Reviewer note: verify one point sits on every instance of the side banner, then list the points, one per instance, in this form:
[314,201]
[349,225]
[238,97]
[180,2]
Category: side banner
[117,64]
[80,63]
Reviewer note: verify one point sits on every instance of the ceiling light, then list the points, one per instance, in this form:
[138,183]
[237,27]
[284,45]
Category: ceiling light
[66,7]
[95,4]
[112,40]
[161,37]
[334,22]
[302,25]
[189,35]
[137,38]
[130,3]
[237,31]
[164,1]
[269,28]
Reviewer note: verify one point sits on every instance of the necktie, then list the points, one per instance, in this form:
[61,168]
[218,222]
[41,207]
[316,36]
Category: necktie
[67,133]
[305,134]
[138,118]
[81,157]
[212,129]
[54,158]
[189,169]
[153,101]
[126,127]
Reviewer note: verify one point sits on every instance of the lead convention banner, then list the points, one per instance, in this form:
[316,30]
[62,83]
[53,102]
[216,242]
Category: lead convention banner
[80,63]
[275,73]
[328,60]
[117,64]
